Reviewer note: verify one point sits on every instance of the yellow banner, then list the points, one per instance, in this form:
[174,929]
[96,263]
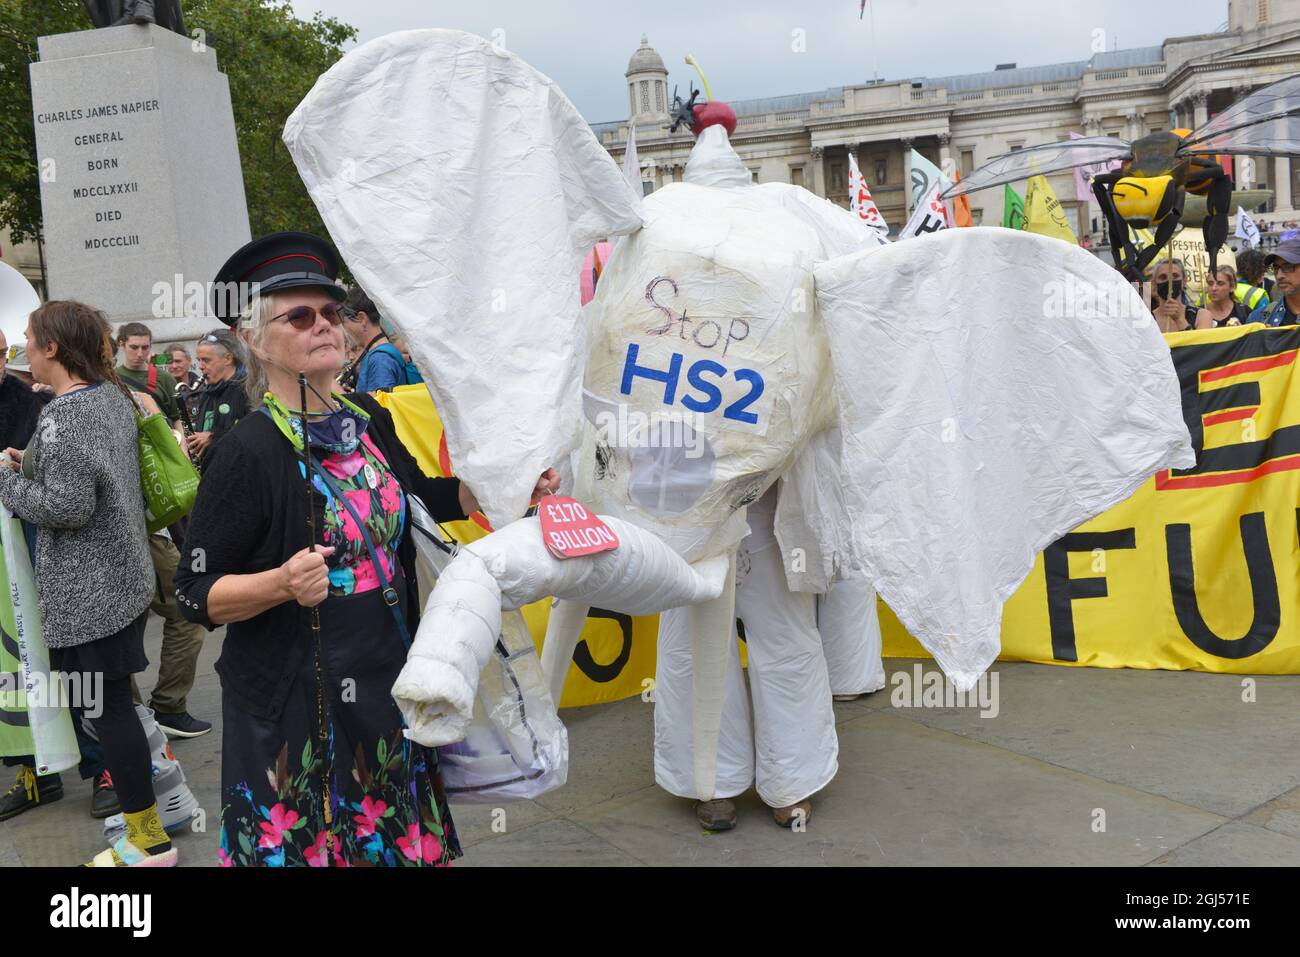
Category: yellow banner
[616,656]
[1200,569]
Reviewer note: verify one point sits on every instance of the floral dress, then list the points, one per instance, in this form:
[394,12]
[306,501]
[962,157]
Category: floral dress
[387,806]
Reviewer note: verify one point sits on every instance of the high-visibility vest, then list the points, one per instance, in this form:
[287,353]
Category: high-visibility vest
[1244,293]
[1248,295]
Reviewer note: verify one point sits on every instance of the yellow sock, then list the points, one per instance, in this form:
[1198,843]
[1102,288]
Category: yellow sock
[144,829]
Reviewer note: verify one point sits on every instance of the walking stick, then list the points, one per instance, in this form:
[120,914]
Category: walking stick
[322,726]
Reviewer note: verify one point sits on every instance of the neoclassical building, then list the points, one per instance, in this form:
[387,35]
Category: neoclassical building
[806,138]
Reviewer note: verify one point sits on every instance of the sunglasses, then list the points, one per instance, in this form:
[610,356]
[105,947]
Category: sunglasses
[303,318]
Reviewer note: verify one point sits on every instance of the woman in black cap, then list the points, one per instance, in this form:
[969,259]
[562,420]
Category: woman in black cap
[222,400]
[315,768]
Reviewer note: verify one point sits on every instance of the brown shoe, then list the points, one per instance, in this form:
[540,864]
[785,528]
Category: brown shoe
[786,816]
[718,815]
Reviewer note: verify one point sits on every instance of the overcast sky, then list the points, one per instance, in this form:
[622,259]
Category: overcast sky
[746,47]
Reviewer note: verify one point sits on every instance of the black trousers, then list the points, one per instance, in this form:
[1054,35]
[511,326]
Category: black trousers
[103,669]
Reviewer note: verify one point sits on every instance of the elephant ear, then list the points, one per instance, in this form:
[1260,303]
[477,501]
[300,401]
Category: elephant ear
[996,389]
[463,189]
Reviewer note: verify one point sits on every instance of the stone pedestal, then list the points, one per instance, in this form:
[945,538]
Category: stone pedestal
[142,195]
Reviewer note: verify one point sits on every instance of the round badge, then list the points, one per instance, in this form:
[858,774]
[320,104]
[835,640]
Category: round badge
[224,409]
[371,478]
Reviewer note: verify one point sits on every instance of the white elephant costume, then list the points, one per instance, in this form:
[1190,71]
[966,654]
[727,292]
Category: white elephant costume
[463,190]
[779,734]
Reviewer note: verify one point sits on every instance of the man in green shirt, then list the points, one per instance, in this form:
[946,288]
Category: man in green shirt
[138,371]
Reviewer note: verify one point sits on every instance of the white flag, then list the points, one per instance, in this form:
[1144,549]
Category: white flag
[860,201]
[1246,229]
[924,174]
[930,216]
[632,165]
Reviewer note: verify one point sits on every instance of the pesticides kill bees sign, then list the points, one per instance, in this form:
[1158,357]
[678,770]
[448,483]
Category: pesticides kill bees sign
[1199,569]
[1188,245]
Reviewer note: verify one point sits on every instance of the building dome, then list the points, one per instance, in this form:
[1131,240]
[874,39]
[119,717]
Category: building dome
[645,60]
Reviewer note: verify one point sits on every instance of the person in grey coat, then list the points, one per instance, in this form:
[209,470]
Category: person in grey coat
[78,482]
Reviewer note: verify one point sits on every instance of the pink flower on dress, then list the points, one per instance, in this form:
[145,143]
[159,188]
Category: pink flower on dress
[424,848]
[360,500]
[351,533]
[223,859]
[273,830]
[364,576]
[316,855]
[371,812]
[389,496]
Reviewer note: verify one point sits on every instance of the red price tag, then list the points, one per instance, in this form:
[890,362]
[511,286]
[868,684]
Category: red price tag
[570,530]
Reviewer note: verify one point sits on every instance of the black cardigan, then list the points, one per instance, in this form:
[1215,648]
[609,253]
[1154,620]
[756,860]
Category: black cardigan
[250,516]
[20,407]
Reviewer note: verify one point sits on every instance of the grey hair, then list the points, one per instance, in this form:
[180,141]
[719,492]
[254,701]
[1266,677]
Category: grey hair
[234,346]
[253,322]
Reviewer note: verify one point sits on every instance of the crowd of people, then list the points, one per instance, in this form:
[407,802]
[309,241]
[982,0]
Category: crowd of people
[1232,297]
[319,601]
[313,609]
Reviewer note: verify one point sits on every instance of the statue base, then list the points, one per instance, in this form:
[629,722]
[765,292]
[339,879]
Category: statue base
[142,195]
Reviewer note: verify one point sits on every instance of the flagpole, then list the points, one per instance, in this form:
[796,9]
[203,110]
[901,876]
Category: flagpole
[875,60]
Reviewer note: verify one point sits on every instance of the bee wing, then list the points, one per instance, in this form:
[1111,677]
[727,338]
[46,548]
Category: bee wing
[1264,123]
[1275,136]
[1048,158]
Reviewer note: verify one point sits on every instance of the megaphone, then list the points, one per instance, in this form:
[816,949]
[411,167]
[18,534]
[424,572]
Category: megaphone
[17,301]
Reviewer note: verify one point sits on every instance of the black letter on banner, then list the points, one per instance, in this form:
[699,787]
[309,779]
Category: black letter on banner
[1263,589]
[13,680]
[1062,589]
[590,667]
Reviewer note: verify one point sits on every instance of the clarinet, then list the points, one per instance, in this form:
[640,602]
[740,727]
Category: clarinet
[186,423]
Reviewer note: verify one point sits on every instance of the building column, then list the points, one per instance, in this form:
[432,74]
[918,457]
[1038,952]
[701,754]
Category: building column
[1282,183]
[906,142]
[1135,130]
[945,152]
[818,172]
[1200,111]
[1091,126]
